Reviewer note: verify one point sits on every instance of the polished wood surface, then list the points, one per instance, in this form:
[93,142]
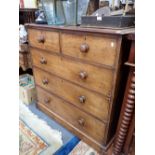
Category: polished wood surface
[129,146]
[79,29]
[124,141]
[98,79]
[89,140]
[127,112]
[77,72]
[73,115]
[93,48]
[94,103]
[44,40]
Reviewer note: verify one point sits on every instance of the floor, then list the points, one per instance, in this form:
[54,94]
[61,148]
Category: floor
[69,140]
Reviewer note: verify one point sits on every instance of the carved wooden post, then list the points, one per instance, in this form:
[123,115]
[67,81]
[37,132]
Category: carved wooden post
[128,105]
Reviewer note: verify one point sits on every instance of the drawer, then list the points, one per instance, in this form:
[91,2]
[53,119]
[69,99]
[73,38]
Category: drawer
[97,49]
[72,115]
[47,40]
[92,103]
[89,76]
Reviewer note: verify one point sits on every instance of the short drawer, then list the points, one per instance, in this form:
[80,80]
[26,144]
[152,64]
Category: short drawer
[92,77]
[92,103]
[48,40]
[96,49]
[72,115]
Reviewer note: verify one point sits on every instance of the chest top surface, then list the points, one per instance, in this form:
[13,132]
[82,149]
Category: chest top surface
[84,29]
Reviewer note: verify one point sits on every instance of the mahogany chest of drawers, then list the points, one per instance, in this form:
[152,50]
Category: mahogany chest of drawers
[77,76]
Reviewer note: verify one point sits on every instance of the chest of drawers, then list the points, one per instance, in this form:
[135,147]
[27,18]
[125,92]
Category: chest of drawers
[77,76]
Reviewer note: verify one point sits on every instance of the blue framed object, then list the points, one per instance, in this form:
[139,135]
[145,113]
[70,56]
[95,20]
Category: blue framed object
[67,148]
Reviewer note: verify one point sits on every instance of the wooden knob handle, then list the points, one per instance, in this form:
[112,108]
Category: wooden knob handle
[45,81]
[82,99]
[81,122]
[83,75]
[41,39]
[43,61]
[84,48]
[46,100]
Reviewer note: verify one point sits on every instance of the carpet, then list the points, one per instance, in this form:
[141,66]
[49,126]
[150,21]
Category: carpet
[29,142]
[83,149]
[35,136]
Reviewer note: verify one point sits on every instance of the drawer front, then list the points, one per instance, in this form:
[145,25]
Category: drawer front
[94,48]
[91,77]
[87,101]
[47,40]
[81,120]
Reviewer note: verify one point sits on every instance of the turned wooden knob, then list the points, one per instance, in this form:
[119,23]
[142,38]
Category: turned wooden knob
[82,99]
[84,48]
[46,100]
[43,61]
[45,81]
[81,122]
[41,39]
[83,75]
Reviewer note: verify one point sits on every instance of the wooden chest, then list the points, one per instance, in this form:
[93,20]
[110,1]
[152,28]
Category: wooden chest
[77,72]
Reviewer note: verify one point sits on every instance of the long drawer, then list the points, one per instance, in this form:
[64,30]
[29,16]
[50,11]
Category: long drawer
[47,40]
[84,99]
[93,48]
[89,76]
[80,120]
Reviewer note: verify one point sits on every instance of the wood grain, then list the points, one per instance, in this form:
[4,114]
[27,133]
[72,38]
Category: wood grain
[51,40]
[95,104]
[73,115]
[126,114]
[101,49]
[79,29]
[77,74]
[124,141]
[99,79]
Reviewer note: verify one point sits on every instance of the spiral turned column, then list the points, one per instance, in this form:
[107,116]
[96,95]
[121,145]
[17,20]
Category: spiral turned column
[126,115]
